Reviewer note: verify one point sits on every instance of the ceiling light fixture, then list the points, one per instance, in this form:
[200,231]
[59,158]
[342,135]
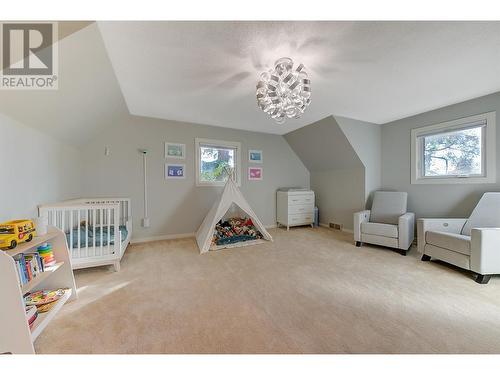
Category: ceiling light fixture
[283,92]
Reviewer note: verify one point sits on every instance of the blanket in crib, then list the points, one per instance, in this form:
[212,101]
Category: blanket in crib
[94,233]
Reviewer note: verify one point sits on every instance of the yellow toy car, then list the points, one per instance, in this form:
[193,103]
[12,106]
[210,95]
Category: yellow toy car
[15,232]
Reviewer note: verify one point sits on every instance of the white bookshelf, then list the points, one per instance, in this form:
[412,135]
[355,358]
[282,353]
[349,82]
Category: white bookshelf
[16,337]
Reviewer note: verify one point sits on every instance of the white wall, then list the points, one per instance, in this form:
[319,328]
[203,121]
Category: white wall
[178,206]
[433,200]
[35,169]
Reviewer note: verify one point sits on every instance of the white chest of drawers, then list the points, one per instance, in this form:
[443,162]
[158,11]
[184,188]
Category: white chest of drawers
[294,207]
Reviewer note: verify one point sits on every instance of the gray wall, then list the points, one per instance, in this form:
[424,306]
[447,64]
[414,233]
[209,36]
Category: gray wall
[339,193]
[343,156]
[366,140]
[323,146]
[178,206]
[433,200]
[35,169]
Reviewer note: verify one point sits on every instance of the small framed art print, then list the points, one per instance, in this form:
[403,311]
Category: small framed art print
[175,171]
[255,156]
[175,150]
[255,173]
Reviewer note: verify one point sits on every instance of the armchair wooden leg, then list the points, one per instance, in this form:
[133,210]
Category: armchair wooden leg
[483,279]
[359,243]
[425,258]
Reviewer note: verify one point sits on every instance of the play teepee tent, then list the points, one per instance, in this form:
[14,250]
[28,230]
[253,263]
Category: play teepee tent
[231,198]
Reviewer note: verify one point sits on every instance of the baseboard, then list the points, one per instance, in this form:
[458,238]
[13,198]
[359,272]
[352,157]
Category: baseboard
[161,238]
[324,225]
[176,236]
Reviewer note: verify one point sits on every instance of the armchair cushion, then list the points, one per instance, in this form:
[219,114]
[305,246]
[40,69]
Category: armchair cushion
[450,241]
[378,229]
[485,215]
[388,206]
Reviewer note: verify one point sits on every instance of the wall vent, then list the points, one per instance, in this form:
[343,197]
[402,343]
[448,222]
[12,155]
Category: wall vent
[336,226]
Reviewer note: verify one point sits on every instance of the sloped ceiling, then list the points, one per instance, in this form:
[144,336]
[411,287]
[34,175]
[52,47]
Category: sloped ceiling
[205,72]
[88,97]
[66,28]
[323,146]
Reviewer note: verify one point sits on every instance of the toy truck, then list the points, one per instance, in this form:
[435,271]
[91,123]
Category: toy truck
[14,232]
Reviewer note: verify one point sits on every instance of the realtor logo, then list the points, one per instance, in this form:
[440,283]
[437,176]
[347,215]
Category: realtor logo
[29,56]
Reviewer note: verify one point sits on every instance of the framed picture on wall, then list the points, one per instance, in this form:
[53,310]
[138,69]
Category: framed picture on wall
[175,150]
[175,171]
[255,174]
[255,156]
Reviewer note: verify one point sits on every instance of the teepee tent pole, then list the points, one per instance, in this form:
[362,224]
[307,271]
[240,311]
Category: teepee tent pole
[229,172]
[231,195]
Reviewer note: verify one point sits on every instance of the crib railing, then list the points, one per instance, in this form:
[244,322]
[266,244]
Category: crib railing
[78,221]
[125,207]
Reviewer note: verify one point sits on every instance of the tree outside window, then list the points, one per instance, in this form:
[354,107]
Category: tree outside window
[453,153]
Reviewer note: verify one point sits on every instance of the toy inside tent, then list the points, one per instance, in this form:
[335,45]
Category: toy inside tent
[231,204]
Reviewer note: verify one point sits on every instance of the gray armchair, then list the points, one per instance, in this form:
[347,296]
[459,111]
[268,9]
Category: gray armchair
[387,223]
[472,244]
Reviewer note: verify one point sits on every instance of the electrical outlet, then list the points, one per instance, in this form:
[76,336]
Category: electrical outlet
[145,222]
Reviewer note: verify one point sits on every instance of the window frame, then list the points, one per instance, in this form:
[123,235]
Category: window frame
[217,143]
[488,150]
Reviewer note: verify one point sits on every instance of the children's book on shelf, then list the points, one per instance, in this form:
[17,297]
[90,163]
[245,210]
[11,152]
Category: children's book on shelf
[46,307]
[28,266]
[31,314]
[42,301]
[42,297]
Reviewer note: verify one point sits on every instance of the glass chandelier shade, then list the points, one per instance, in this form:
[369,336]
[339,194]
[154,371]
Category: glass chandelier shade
[283,92]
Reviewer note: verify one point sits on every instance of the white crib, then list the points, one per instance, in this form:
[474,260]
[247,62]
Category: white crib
[98,230]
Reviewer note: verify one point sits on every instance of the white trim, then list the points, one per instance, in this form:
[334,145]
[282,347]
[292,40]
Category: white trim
[161,238]
[215,142]
[489,146]
[183,147]
[175,236]
[256,161]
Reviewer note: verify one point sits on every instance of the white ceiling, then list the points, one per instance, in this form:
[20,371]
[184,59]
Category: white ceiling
[88,98]
[205,72]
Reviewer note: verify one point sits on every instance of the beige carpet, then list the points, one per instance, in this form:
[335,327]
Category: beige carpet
[310,291]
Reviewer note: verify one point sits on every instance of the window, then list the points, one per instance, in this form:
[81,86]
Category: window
[214,159]
[6,230]
[458,151]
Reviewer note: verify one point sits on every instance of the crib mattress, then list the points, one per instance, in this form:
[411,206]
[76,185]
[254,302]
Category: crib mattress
[94,233]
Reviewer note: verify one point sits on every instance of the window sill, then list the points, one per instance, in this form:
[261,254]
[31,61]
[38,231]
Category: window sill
[454,180]
[215,184]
